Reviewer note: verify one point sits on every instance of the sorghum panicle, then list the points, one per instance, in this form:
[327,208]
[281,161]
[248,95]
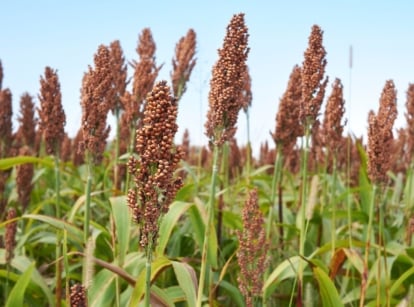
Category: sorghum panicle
[119,75]
[332,123]
[1,75]
[251,255]
[288,127]
[78,297]
[10,235]
[6,126]
[226,85]
[380,136]
[155,185]
[145,72]
[409,116]
[26,133]
[313,70]
[66,151]
[24,178]
[52,116]
[78,151]
[246,94]
[97,92]
[183,63]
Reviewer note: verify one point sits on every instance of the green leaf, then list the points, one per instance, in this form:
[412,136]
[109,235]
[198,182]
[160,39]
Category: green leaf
[233,292]
[187,280]
[327,290]
[168,222]
[287,269]
[22,263]
[122,218]
[157,266]
[74,233]
[16,296]
[7,163]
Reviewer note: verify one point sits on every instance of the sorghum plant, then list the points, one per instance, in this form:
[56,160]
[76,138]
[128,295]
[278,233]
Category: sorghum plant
[154,183]
[78,296]
[183,63]
[51,124]
[226,86]
[379,150]
[24,178]
[252,251]
[313,84]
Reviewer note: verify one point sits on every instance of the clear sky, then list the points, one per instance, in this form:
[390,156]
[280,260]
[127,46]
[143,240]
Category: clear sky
[65,35]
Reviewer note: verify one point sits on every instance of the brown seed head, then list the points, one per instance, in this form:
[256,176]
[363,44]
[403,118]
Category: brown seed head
[119,75]
[78,297]
[288,126]
[97,91]
[183,63]
[24,178]
[332,123]
[26,132]
[155,185]
[409,116]
[313,70]
[380,137]
[145,71]
[251,255]
[52,116]
[6,126]
[1,75]
[10,235]
[246,94]
[227,82]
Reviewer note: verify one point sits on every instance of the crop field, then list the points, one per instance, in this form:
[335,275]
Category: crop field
[146,218]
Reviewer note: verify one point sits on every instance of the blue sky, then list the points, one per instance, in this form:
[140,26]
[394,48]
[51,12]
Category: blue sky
[65,35]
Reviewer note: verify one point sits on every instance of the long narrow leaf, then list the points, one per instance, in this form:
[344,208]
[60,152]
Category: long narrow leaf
[187,280]
[16,296]
[327,290]
[122,218]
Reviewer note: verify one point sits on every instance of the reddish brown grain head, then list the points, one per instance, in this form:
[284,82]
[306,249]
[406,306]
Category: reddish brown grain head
[246,94]
[227,83]
[26,133]
[288,127]
[332,123]
[78,296]
[183,63]
[313,81]
[409,116]
[145,72]
[24,178]
[96,93]
[380,136]
[1,75]
[119,75]
[10,235]
[52,116]
[252,251]
[155,185]
[6,126]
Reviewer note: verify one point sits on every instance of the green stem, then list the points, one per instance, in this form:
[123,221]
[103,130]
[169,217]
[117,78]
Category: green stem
[148,273]
[277,172]
[58,266]
[303,226]
[116,149]
[88,199]
[208,226]
[249,147]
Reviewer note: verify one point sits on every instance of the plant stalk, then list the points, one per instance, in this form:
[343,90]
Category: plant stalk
[208,226]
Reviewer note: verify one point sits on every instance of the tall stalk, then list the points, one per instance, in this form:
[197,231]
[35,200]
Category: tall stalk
[58,265]
[208,226]
[364,285]
[302,212]
[148,273]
